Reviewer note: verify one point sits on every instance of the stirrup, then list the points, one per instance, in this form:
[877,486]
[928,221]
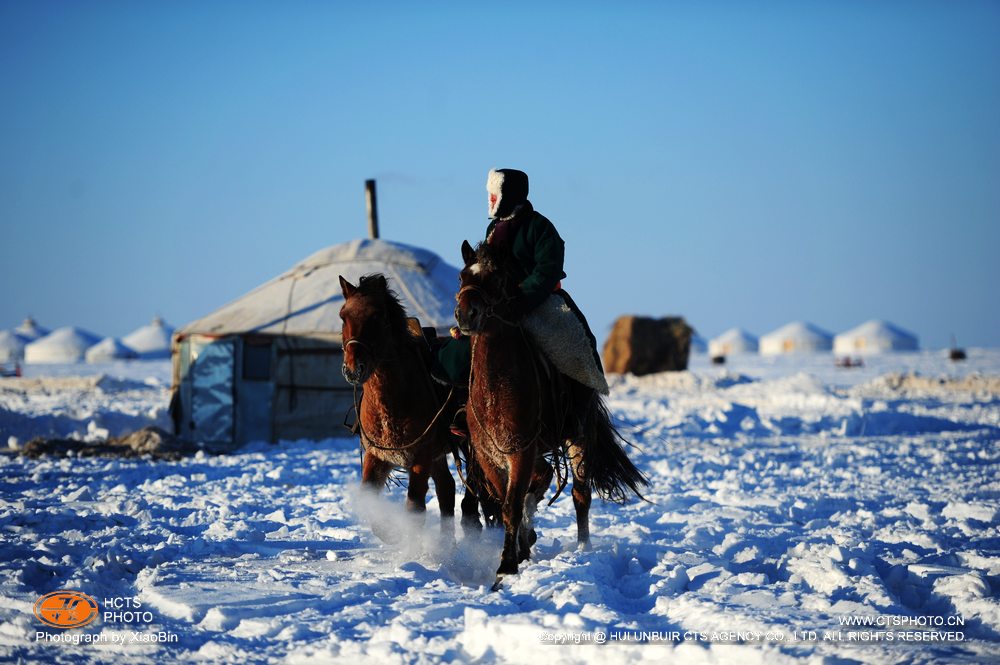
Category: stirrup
[459,425]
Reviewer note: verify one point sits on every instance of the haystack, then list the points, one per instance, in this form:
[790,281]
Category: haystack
[642,345]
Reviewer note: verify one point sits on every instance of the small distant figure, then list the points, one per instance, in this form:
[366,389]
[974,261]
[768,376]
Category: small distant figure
[847,362]
[718,360]
[955,354]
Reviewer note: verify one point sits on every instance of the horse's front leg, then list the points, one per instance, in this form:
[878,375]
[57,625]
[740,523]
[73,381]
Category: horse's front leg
[444,487]
[541,478]
[521,466]
[581,493]
[482,486]
[416,491]
[374,473]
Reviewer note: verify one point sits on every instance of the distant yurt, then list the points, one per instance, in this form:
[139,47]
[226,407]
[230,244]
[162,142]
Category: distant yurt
[109,349]
[65,345]
[698,344]
[29,330]
[734,341]
[150,342]
[796,337]
[11,347]
[874,337]
[267,366]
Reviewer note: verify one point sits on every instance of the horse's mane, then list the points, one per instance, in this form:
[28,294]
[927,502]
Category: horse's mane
[493,261]
[487,257]
[376,284]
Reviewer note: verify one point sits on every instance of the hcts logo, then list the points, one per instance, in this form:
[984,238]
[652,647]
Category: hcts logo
[66,609]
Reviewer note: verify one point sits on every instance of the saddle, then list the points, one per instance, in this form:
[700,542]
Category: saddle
[428,335]
[430,342]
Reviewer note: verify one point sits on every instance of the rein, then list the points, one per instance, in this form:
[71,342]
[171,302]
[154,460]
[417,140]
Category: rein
[367,441]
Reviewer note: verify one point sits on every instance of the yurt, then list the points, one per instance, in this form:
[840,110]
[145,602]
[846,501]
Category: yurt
[29,330]
[733,342]
[65,345]
[796,337]
[267,366]
[874,337]
[150,342]
[108,350]
[11,347]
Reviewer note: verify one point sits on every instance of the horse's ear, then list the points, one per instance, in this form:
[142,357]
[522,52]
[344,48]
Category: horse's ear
[468,254]
[383,282]
[347,288]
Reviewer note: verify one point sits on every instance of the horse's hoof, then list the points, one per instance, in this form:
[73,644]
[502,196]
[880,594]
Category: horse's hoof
[584,545]
[472,523]
[498,584]
[507,568]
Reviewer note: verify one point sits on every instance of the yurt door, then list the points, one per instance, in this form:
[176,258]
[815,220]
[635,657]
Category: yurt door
[211,375]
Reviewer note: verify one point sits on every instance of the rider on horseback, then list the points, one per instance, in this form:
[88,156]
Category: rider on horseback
[542,307]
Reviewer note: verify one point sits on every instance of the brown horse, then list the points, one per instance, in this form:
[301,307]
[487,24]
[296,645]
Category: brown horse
[403,416]
[521,410]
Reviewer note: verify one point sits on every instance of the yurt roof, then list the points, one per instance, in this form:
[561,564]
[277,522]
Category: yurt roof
[879,328]
[150,339]
[799,330]
[63,345]
[735,334]
[109,348]
[307,298]
[29,330]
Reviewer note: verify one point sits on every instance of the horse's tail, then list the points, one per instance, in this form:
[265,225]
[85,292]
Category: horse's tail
[611,474]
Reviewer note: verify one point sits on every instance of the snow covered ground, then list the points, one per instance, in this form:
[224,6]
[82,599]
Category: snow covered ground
[787,498]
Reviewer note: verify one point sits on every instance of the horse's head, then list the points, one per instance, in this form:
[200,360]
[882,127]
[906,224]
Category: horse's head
[486,290]
[371,316]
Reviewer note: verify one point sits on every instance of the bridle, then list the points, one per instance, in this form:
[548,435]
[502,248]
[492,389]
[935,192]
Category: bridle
[492,303]
[376,358]
[348,343]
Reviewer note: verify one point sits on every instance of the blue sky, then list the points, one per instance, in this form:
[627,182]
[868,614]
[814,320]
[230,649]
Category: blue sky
[741,164]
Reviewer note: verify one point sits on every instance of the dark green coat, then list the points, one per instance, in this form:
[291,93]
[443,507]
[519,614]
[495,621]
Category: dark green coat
[539,252]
